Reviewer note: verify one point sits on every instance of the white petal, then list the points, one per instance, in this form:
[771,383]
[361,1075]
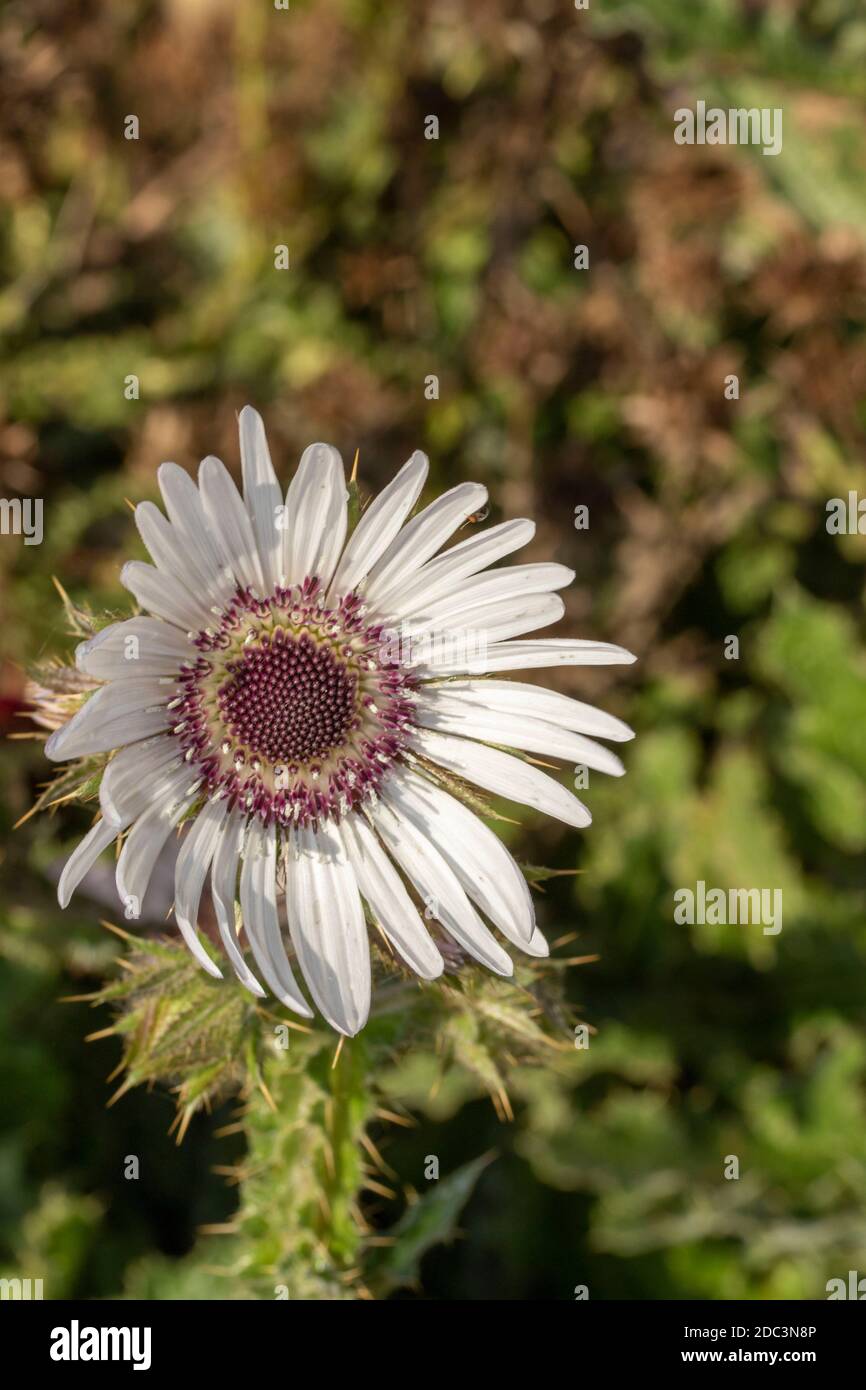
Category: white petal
[231,525]
[113,715]
[224,875]
[262,494]
[445,574]
[502,774]
[173,557]
[135,775]
[538,946]
[495,622]
[136,647]
[261,918]
[438,885]
[525,656]
[511,583]
[141,786]
[147,837]
[389,902]
[475,854]
[515,730]
[187,515]
[379,525]
[163,596]
[517,697]
[316,516]
[190,872]
[420,538]
[327,925]
[83,858]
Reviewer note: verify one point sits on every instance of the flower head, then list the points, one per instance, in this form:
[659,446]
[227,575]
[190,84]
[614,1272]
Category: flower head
[318,708]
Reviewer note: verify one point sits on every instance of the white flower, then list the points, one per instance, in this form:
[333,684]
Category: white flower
[304,691]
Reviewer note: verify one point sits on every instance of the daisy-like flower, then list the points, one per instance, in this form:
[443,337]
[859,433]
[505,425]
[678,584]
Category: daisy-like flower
[311,703]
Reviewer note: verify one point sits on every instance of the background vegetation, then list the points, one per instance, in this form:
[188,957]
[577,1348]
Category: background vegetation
[558,387]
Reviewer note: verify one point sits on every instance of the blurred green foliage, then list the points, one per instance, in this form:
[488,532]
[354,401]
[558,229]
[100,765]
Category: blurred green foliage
[557,387]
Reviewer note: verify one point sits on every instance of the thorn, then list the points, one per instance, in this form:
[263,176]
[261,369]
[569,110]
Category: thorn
[118,931]
[502,1105]
[378,1159]
[224,1131]
[286,1022]
[102,1033]
[267,1095]
[232,1172]
[58,801]
[386,945]
[27,814]
[539,762]
[392,1118]
[121,1091]
[380,1188]
[184,1124]
[354,477]
[338,1051]
[359,1218]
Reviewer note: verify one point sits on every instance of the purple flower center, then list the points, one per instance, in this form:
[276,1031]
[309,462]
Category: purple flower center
[289,700]
[294,711]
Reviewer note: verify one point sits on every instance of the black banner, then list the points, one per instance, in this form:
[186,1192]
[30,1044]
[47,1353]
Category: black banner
[62,1339]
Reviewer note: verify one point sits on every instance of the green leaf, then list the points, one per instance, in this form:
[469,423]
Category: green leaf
[430,1221]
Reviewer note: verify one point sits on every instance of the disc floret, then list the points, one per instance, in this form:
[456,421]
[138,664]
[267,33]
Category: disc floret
[292,710]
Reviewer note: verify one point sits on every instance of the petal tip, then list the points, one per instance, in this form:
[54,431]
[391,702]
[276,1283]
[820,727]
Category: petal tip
[54,745]
[350,1029]
[297,1005]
